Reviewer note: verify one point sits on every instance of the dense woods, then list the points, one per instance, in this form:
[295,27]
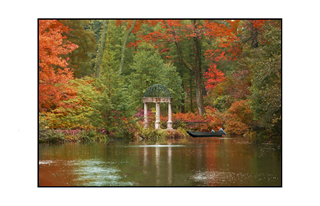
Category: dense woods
[221,73]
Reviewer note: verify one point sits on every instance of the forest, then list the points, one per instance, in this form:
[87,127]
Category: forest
[92,76]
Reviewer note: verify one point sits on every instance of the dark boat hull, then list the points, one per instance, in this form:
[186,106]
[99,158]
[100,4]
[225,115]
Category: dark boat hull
[204,134]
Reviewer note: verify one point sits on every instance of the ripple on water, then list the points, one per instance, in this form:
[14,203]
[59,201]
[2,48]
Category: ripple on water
[221,178]
[97,173]
[44,162]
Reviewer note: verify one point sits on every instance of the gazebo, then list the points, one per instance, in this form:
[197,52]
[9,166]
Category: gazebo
[157,93]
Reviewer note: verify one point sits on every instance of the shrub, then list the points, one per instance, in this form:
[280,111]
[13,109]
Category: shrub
[52,136]
[239,118]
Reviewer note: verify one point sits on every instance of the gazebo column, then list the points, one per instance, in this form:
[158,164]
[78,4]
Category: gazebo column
[157,115]
[145,115]
[169,123]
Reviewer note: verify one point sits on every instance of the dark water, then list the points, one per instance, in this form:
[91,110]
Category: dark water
[196,162]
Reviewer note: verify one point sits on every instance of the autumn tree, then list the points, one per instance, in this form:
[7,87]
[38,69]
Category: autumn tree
[54,73]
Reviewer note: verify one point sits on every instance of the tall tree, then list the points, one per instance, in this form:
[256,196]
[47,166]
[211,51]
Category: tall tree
[112,108]
[101,48]
[124,45]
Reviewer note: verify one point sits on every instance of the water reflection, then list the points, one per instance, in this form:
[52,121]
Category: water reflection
[169,166]
[157,164]
[96,173]
[197,162]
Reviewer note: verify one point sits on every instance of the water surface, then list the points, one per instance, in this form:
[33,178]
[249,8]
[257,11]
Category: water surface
[197,162]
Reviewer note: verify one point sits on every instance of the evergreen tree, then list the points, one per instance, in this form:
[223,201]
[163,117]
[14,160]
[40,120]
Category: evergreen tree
[149,69]
[113,107]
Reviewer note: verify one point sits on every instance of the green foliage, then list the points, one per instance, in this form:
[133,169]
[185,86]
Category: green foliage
[266,80]
[115,40]
[113,108]
[149,69]
[266,92]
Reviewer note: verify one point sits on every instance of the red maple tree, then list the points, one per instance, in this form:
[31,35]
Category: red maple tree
[54,75]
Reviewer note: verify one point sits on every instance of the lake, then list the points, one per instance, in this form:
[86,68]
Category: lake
[214,161]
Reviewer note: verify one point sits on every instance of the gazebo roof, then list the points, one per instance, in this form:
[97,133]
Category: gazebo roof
[157,90]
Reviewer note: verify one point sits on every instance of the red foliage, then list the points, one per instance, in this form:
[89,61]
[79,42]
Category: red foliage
[227,46]
[54,84]
[213,76]
[191,121]
[258,23]
[225,35]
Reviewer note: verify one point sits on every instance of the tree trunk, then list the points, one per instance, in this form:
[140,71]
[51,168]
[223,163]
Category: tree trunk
[204,92]
[197,75]
[194,68]
[254,36]
[124,46]
[191,106]
[182,108]
[101,48]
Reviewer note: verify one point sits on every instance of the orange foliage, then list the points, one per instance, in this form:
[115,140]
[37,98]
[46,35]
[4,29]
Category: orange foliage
[239,117]
[54,84]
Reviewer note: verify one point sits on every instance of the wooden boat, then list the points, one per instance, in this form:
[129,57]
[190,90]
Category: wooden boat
[204,134]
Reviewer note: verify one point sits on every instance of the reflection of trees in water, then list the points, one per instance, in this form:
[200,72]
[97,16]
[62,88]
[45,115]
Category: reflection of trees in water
[203,161]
